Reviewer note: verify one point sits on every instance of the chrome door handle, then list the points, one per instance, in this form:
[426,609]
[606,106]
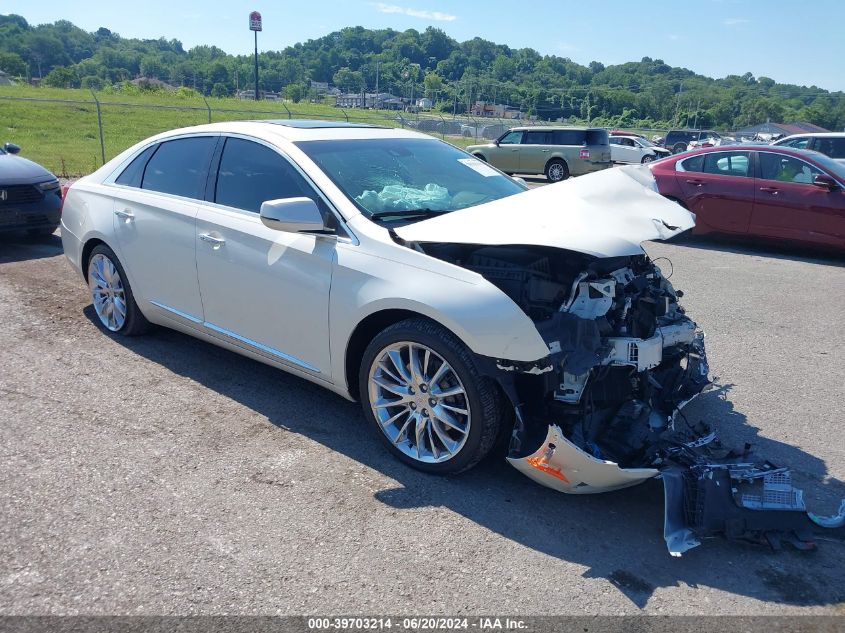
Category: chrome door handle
[772,190]
[125,214]
[215,241]
[545,151]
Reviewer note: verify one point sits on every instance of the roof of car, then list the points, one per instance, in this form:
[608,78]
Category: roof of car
[298,130]
[778,149]
[549,128]
[814,135]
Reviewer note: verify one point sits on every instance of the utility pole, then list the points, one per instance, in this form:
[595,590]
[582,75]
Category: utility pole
[377,93]
[255,26]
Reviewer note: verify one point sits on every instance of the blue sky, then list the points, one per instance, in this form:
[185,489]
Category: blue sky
[789,41]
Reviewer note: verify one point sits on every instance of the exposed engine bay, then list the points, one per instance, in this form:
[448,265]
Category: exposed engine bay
[603,410]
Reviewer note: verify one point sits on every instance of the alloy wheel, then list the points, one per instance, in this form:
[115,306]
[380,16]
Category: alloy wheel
[419,402]
[107,292]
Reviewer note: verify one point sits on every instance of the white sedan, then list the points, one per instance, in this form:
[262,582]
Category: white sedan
[393,268]
[635,150]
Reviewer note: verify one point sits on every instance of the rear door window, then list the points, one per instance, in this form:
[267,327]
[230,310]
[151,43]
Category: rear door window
[536,138]
[727,163]
[833,147]
[180,167]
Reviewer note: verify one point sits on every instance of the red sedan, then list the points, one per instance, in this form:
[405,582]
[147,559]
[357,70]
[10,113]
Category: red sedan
[759,190]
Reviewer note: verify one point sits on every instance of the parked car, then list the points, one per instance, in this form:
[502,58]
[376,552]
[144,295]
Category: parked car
[393,268]
[831,144]
[635,150]
[557,152]
[679,140]
[30,196]
[765,191]
[456,305]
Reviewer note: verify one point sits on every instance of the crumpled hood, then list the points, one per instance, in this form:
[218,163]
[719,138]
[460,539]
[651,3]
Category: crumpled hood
[604,214]
[17,170]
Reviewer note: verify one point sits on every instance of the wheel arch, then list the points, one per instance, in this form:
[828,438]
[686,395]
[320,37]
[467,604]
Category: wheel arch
[87,248]
[556,158]
[366,330]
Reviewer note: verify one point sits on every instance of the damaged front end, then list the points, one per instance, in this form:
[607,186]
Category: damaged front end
[603,410]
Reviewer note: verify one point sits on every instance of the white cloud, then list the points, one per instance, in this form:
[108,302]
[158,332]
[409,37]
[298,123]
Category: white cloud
[734,21]
[416,13]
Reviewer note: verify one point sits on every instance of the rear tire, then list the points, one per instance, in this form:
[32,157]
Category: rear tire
[455,431]
[557,170]
[112,295]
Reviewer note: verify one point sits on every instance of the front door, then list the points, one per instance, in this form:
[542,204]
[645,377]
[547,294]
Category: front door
[505,156]
[262,289]
[719,189]
[789,206]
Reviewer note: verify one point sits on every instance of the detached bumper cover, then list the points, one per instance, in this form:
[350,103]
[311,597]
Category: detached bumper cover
[562,466]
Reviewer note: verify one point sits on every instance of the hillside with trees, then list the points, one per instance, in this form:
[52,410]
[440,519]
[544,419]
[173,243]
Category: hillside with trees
[647,93]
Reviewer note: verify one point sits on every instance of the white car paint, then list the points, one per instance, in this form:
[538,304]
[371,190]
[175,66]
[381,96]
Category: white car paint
[606,214]
[294,301]
[634,150]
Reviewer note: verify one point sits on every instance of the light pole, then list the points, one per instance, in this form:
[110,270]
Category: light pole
[255,26]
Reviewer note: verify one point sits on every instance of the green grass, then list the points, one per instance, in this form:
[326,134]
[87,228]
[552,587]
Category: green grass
[64,137]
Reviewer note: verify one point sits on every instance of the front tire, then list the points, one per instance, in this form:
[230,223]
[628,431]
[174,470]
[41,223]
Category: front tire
[557,170]
[647,159]
[424,395]
[112,295]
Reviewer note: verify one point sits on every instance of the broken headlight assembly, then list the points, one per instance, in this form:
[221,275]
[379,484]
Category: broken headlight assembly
[603,411]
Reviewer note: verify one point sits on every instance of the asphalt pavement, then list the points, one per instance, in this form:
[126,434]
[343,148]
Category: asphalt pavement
[163,475]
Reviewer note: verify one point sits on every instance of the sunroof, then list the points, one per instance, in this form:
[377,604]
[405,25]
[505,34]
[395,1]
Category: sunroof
[311,124]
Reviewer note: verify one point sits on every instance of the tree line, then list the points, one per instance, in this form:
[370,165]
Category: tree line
[409,64]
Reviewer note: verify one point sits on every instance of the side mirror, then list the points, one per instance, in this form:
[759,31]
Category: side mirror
[292,215]
[825,182]
[12,148]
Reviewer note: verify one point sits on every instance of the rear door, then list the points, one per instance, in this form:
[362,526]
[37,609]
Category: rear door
[535,151]
[788,206]
[719,188]
[624,150]
[155,223]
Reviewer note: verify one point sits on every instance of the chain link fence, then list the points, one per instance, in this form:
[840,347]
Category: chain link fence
[75,136]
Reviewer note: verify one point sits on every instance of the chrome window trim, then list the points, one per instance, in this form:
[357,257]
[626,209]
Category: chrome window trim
[255,345]
[115,174]
[679,167]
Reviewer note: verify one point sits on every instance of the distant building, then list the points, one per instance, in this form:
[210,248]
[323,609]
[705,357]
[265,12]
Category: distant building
[497,110]
[424,103]
[382,101]
[776,130]
[262,94]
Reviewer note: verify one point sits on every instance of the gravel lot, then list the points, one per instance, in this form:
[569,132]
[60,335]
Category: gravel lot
[162,475]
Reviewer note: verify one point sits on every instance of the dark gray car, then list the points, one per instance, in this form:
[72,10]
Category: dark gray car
[30,196]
